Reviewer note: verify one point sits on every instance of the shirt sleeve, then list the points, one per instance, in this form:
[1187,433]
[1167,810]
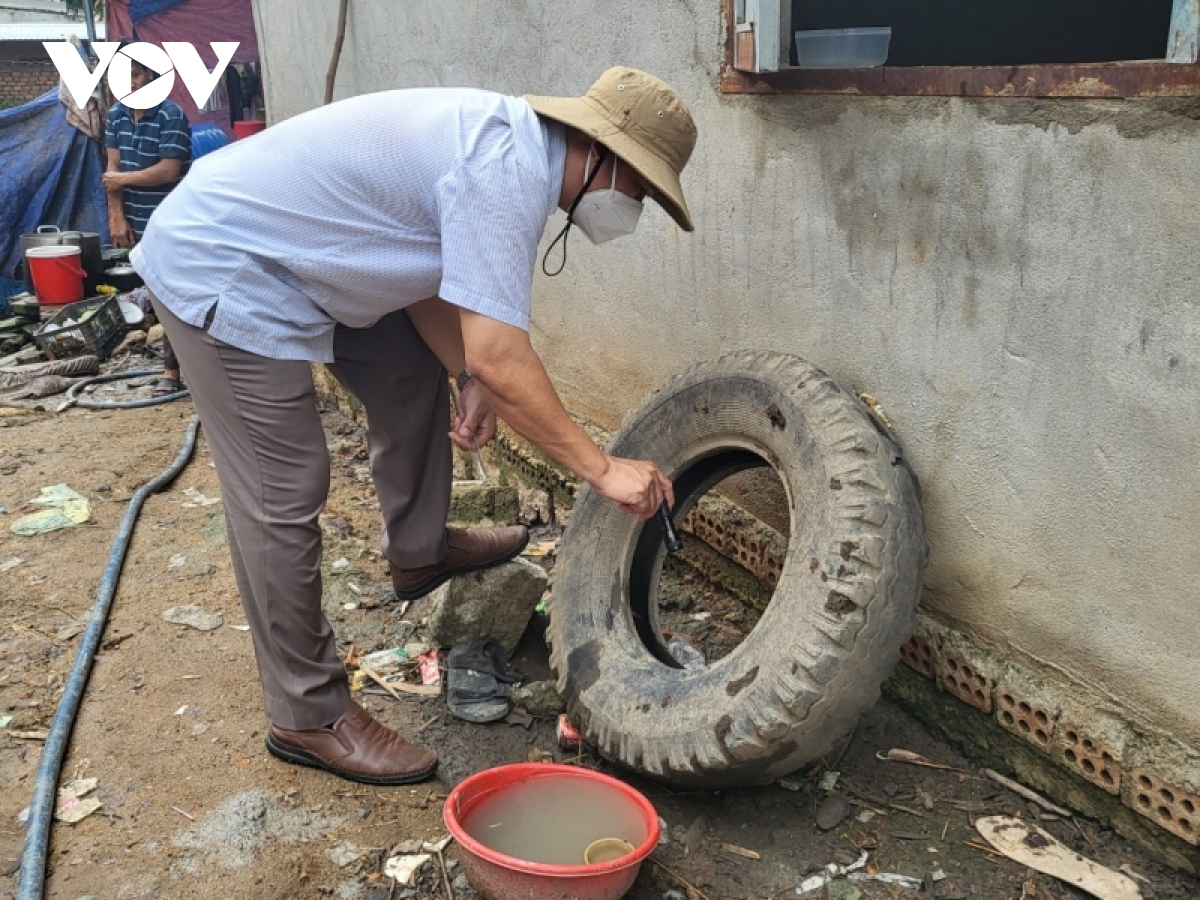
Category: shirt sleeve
[174,136]
[493,214]
[110,132]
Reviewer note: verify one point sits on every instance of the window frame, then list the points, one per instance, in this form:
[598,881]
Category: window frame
[1178,76]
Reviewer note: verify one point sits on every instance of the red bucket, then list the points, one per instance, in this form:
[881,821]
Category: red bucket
[247,127]
[57,277]
[498,876]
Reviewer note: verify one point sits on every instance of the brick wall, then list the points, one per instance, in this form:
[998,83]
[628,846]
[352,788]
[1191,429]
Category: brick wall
[22,80]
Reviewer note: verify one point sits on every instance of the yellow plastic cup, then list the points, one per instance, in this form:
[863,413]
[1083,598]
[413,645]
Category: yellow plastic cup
[606,850]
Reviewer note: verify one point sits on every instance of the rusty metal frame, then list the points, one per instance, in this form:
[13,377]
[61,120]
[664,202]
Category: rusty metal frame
[1112,80]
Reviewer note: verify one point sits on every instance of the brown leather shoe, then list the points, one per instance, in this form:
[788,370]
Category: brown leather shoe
[471,549]
[356,748]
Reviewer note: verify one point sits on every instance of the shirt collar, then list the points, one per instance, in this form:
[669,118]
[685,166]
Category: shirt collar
[555,135]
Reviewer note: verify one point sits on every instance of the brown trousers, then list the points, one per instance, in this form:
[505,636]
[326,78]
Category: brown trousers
[260,419]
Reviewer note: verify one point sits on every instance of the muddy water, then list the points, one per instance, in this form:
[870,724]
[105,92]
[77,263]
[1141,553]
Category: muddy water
[553,818]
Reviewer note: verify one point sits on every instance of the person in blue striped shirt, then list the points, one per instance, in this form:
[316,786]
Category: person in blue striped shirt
[148,153]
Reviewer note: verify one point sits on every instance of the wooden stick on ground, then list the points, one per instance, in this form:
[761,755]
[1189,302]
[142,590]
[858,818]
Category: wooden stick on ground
[1025,792]
[977,845]
[445,876]
[845,746]
[687,884]
[424,690]
[897,754]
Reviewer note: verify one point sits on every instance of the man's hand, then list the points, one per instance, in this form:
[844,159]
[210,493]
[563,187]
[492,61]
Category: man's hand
[475,423]
[114,180]
[121,232]
[636,486]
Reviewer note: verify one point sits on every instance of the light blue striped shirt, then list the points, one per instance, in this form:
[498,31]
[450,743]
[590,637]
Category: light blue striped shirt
[355,210]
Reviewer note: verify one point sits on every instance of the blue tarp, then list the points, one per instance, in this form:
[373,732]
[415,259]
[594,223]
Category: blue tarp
[49,175]
[140,9]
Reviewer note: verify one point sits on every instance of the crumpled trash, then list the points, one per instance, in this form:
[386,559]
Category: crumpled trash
[684,653]
[853,872]
[888,878]
[830,872]
[569,737]
[344,853]
[430,672]
[73,803]
[198,499]
[829,780]
[64,509]
[404,868]
[194,617]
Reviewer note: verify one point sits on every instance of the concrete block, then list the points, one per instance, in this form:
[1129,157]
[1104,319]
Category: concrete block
[495,603]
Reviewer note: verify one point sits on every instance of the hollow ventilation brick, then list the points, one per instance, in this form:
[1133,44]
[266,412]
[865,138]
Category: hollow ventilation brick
[744,549]
[964,681]
[1019,716]
[1176,810]
[1097,762]
[918,655]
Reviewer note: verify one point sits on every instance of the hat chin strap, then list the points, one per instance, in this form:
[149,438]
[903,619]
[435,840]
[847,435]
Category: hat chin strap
[601,155]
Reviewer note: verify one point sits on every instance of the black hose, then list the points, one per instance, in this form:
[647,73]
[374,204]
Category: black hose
[73,398]
[41,808]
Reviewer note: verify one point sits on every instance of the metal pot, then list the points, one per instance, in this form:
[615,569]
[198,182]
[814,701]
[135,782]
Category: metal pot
[45,236]
[123,278]
[88,243]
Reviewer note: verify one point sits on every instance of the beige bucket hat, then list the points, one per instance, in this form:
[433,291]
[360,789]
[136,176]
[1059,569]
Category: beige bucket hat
[640,119]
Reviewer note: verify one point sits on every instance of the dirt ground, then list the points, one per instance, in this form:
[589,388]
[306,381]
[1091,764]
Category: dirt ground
[172,723]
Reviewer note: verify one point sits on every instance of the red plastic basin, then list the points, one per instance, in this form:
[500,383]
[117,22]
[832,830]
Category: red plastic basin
[498,876]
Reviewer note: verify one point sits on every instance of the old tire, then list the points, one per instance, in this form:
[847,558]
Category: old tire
[844,603]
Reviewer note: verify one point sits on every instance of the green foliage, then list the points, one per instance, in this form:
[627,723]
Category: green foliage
[76,7]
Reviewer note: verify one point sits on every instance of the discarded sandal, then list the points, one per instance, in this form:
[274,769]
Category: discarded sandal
[477,676]
[166,386]
[485,655]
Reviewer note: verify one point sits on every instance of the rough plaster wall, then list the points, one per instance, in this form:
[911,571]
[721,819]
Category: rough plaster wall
[1016,281]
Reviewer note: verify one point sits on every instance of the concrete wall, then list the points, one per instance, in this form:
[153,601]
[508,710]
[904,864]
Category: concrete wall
[1016,281]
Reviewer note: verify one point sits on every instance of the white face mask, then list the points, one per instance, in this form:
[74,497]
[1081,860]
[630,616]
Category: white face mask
[606,214]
